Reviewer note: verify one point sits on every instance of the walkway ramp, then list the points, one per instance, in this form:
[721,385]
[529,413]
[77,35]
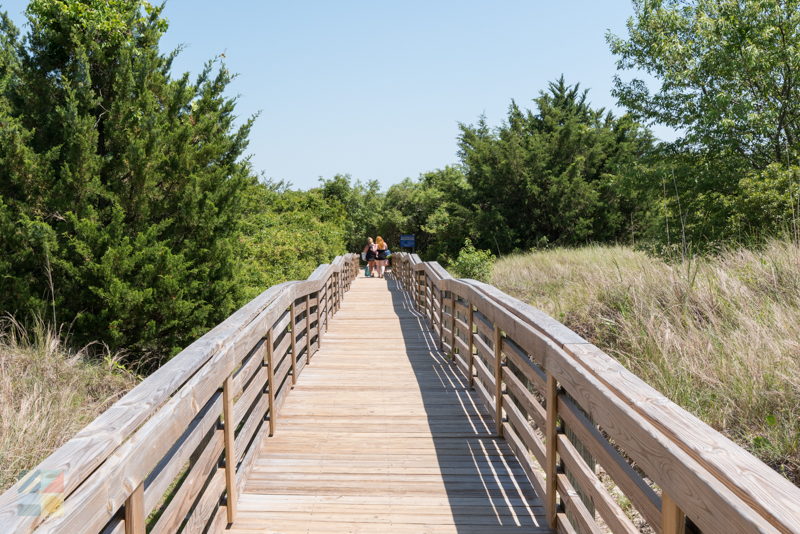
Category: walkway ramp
[346,404]
[383,434]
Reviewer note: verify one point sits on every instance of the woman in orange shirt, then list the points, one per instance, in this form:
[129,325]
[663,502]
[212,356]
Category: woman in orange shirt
[381,261]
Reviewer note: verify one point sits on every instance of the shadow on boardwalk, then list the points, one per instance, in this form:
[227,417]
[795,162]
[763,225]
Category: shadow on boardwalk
[485,485]
[382,434]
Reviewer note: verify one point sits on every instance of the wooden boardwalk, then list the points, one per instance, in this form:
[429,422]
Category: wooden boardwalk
[382,434]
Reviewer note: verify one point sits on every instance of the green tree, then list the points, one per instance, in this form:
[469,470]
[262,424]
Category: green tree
[285,235]
[122,184]
[551,176]
[435,208]
[727,74]
[725,77]
[473,263]
[361,203]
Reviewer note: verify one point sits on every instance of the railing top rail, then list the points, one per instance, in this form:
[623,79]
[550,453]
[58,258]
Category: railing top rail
[684,456]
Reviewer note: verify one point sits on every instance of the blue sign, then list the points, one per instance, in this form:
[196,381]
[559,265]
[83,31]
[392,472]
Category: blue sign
[407,241]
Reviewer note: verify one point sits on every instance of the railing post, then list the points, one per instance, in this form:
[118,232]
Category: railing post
[415,287]
[327,306]
[425,302]
[417,291]
[134,511]
[338,284]
[550,452]
[498,380]
[327,303]
[673,520]
[293,332]
[308,329]
[230,456]
[421,288]
[319,320]
[270,361]
[453,325]
[332,307]
[441,319]
[470,357]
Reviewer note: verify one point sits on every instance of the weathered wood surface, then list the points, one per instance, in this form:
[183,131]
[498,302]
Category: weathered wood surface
[118,468]
[702,474]
[385,433]
[382,433]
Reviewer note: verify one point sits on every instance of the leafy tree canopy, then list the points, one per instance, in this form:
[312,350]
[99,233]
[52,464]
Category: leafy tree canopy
[727,71]
[120,185]
[550,175]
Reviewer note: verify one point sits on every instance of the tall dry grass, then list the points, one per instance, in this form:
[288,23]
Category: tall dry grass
[47,394]
[720,336]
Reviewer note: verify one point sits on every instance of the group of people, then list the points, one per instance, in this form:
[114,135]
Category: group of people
[376,253]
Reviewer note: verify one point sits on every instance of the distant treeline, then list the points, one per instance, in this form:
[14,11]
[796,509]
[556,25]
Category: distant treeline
[130,212]
[564,173]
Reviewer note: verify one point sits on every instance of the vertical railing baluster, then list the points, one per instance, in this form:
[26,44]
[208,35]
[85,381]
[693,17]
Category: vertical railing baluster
[498,380]
[338,290]
[470,340]
[134,511]
[428,302]
[551,487]
[270,361]
[417,291]
[673,520]
[422,305]
[319,320]
[328,302]
[441,319]
[230,456]
[293,324]
[308,329]
[453,325]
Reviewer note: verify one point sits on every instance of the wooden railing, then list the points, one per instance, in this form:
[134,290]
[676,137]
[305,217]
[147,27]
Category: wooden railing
[173,453]
[605,450]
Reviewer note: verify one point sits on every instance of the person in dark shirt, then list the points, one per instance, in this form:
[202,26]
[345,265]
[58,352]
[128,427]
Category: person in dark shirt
[371,255]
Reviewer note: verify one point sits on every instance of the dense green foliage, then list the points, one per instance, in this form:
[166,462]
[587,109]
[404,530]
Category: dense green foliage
[473,263]
[285,235]
[551,175]
[436,208]
[120,183]
[554,175]
[127,208]
[359,204]
[726,71]
[565,173]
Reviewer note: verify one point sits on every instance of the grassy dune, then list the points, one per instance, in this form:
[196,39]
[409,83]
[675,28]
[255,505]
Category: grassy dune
[720,336]
[47,394]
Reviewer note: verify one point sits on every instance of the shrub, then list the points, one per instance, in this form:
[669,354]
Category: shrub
[473,263]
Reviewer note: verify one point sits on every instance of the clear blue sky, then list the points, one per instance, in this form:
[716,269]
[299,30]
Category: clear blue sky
[376,88]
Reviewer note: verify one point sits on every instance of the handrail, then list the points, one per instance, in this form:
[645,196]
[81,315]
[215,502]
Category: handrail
[563,405]
[161,453]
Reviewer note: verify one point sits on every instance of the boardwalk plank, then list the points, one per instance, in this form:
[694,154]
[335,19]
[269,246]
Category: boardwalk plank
[383,433]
